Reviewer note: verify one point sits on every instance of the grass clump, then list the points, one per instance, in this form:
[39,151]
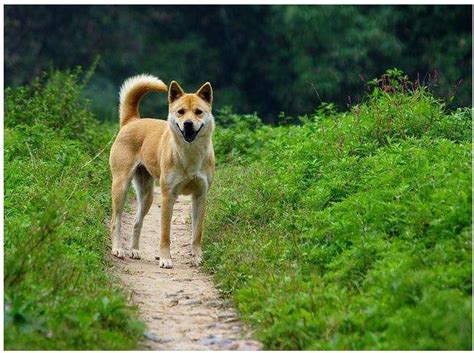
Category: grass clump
[58,294]
[351,230]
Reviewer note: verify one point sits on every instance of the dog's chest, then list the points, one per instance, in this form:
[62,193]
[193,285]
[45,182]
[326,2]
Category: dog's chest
[190,174]
[189,182]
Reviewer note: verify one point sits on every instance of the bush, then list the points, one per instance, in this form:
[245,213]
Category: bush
[58,293]
[352,230]
[232,138]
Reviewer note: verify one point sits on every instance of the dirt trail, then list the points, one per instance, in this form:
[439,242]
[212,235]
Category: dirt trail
[181,306]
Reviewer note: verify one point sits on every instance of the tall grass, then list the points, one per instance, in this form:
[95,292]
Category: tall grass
[58,293]
[351,230]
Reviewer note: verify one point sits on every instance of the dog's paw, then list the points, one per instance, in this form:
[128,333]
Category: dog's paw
[197,261]
[134,254]
[197,254]
[119,253]
[166,263]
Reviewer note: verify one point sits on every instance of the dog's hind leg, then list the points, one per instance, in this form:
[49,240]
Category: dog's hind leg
[120,184]
[143,184]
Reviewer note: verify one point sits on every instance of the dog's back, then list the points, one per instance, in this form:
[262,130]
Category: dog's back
[136,133]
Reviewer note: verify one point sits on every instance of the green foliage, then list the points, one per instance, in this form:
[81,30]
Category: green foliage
[259,58]
[232,138]
[58,293]
[352,230]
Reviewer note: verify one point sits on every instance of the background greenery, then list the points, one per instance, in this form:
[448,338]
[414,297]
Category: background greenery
[343,225]
[264,59]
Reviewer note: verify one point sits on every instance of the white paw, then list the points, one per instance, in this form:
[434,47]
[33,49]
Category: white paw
[118,252]
[197,261]
[197,254]
[135,254]
[166,263]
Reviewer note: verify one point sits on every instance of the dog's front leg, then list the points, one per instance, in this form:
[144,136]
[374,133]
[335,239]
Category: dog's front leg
[198,212]
[167,203]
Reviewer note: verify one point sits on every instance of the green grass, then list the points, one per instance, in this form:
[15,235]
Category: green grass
[347,231]
[58,293]
[351,230]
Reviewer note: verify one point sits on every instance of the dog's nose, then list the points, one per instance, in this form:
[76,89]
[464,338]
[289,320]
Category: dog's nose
[188,124]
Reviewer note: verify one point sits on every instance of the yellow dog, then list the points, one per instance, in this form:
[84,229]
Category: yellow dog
[177,152]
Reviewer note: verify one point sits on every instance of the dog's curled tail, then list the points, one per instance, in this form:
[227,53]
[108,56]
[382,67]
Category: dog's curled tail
[132,91]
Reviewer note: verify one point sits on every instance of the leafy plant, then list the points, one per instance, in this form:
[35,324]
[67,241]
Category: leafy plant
[351,230]
[58,291]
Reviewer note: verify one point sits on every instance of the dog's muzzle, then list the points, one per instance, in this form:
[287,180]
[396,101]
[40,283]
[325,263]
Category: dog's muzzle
[188,132]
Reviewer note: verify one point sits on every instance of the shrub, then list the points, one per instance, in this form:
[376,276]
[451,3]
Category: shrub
[58,293]
[352,230]
[236,136]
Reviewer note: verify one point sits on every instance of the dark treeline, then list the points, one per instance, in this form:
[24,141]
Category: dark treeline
[266,59]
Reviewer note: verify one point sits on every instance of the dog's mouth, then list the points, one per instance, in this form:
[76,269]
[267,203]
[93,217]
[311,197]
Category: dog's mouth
[189,134]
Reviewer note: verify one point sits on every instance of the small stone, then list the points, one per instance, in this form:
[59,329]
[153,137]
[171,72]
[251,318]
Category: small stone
[152,336]
[213,340]
[174,302]
[225,315]
[232,319]
[192,302]
[166,340]
[181,279]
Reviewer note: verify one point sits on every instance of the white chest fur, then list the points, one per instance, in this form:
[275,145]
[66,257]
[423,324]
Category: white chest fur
[190,168]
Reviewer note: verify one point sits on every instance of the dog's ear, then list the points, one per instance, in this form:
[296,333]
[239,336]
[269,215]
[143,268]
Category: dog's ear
[174,92]
[205,92]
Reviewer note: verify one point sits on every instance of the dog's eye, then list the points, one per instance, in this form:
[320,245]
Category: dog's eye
[181,111]
[198,112]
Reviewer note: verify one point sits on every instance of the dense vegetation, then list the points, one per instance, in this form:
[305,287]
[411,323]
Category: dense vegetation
[347,226]
[333,230]
[58,293]
[350,230]
[266,59]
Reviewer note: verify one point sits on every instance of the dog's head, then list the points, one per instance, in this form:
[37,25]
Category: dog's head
[190,114]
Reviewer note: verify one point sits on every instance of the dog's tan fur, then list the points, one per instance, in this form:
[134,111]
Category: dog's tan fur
[148,149]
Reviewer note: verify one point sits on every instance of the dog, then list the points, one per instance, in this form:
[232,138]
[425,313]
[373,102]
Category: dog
[177,152]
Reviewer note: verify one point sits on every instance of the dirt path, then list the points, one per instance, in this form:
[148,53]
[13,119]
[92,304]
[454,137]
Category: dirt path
[181,307]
